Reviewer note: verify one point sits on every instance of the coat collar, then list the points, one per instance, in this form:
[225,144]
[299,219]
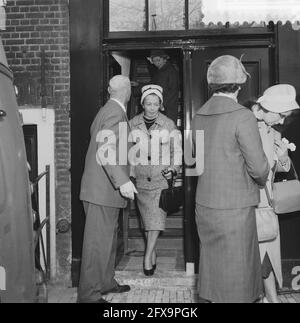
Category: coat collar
[121,106]
[119,103]
[159,121]
[165,67]
[219,105]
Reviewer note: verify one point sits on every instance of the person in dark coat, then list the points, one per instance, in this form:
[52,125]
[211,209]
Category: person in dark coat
[235,166]
[165,75]
[104,187]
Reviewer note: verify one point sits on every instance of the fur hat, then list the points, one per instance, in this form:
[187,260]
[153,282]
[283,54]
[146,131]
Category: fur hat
[227,69]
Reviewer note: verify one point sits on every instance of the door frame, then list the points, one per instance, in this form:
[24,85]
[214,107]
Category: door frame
[89,80]
[187,46]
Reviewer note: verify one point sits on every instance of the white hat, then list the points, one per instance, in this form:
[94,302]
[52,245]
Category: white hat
[279,98]
[152,89]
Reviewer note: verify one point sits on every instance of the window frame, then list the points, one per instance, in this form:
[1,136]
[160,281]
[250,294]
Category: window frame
[225,29]
[147,31]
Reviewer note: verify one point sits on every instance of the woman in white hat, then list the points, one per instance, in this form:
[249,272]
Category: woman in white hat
[152,165]
[277,103]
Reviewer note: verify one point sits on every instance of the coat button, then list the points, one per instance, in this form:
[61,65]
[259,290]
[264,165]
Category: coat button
[149,179]
[149,158]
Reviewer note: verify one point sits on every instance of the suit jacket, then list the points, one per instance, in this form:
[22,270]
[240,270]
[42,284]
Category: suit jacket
[235,164]
[100,182]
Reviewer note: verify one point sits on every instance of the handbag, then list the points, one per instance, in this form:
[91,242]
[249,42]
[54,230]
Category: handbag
[171,198]
[267,224]
[286,194]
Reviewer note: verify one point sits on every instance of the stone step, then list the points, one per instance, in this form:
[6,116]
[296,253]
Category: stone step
[134,213]
[161,280]
[138,243]
[175,222]
[168,233]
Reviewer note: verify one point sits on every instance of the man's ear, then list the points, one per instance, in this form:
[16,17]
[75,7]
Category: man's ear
[109,90]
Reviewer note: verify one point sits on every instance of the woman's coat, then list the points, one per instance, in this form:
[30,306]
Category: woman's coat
[272,248]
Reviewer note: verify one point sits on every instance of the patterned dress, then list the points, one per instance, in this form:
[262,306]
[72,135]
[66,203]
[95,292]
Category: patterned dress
[149,179]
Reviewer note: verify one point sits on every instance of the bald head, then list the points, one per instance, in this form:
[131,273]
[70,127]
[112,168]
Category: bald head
[120,88]
[118,82]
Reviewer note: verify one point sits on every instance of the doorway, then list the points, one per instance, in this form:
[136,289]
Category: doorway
[136,65]
[192,58]
[258,62]
[192,64]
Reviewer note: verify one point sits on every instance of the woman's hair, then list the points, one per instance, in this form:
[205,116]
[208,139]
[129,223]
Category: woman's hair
[287,121]
[160,101]
[224,88]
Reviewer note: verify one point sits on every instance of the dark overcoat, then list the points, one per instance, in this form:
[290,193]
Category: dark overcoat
[168,78]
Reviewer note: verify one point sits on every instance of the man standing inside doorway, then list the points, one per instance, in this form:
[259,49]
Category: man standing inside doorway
[104,189]
[166,76]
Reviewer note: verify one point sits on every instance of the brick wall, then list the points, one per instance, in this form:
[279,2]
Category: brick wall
[33,27]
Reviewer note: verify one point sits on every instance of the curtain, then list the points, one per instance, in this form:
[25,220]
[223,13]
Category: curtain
[240,11]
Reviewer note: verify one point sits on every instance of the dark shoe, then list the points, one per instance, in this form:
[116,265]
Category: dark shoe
[149,272]
[154,266]
[98,301]
[118,289]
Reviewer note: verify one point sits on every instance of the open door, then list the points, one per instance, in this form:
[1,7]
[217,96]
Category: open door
[134,64]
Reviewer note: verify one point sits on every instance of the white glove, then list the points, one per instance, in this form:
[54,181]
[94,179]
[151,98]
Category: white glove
[128,190]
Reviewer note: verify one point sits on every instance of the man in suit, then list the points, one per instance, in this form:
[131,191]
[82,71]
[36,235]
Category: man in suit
[235,165]
[105,187]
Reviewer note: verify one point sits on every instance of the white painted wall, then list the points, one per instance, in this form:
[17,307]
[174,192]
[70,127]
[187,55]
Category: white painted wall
[45,121]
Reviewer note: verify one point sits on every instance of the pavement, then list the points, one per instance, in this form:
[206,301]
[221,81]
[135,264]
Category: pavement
[169,284]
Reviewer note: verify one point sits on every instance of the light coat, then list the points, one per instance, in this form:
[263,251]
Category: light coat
[272,248]
[149,176]
[227,194]
[235,164]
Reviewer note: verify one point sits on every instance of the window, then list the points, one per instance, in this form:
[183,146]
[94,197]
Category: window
[160,15]
[166,15]
[195,14]
[127,15]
